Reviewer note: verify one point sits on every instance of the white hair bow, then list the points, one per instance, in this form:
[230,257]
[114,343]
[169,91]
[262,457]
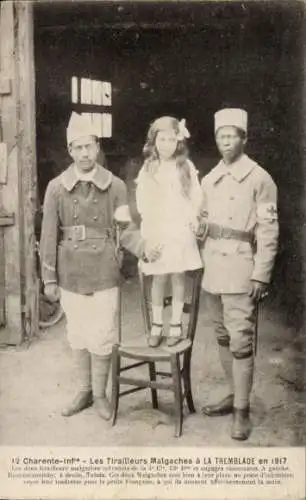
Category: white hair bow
[183,131]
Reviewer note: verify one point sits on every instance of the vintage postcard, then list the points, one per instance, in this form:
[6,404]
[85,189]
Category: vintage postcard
[152,289]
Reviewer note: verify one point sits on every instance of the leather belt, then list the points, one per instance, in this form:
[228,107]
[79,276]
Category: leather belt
[216,232]
[82,232]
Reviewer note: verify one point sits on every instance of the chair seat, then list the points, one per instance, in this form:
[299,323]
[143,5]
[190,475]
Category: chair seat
[160,352]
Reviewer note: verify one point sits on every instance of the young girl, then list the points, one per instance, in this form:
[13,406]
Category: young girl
[168,197]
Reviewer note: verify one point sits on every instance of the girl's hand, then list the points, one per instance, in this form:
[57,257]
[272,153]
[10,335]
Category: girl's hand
[194,226]
[153,252]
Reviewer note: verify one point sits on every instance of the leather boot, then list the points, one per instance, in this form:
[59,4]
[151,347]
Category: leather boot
[103,408]
[241,428]
[81,401]
[100,366]
[82,368]
[224,407]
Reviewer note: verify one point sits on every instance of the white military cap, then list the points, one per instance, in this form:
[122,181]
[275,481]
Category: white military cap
[233,117]
[80,126]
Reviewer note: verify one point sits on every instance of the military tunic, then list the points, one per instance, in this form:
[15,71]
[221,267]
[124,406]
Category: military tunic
[81,263]
[78,252]
[240,200]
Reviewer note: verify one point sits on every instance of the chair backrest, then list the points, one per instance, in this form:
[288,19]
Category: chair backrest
[191,303]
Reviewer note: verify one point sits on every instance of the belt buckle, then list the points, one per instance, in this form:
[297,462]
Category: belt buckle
[79,233]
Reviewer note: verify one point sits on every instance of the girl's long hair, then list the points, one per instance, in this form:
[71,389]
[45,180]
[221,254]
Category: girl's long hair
[180,156]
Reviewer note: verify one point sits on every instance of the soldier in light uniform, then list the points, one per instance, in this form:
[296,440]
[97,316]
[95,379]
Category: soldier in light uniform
[241,237]
[79,261]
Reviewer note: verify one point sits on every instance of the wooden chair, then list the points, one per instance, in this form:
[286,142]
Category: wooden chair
[176,378]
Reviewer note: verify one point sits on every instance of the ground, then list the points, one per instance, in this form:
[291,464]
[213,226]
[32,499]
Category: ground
[36,380]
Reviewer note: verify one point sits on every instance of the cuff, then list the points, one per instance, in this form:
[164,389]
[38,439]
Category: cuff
[261,277]
[49,282]
[48,273]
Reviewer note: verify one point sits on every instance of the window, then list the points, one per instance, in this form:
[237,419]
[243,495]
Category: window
[97,96]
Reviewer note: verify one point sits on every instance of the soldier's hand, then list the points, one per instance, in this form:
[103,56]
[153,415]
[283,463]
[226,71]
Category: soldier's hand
[153,252]
[258,290]
[52,292]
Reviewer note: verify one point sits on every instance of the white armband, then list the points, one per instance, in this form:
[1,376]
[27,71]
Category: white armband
[267,211]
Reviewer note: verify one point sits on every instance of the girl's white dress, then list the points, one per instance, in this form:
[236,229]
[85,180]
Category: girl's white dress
[169,218]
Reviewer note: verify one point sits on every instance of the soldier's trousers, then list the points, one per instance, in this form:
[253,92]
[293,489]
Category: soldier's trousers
[234,320]
[233,317]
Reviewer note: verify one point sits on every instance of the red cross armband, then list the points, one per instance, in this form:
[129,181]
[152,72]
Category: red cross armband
[267,212]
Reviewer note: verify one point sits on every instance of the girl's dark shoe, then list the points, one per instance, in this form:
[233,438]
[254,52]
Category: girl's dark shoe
[176,334]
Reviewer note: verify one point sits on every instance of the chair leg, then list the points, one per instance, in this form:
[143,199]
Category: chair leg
[115,382]
[178,398]
[187,381]
[152,373]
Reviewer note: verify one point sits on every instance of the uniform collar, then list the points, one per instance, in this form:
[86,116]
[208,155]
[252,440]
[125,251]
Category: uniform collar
[85,176]
[102,178]
[239,170]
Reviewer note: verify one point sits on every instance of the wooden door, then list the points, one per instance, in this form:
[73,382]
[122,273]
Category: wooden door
[18,283]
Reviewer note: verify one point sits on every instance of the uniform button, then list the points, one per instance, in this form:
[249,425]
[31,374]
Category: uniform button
[75,246]
[232,197]
[75,200]
[230,218]
[95,217]
[95,201]
[224,254]
[94,247]
[75,216]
